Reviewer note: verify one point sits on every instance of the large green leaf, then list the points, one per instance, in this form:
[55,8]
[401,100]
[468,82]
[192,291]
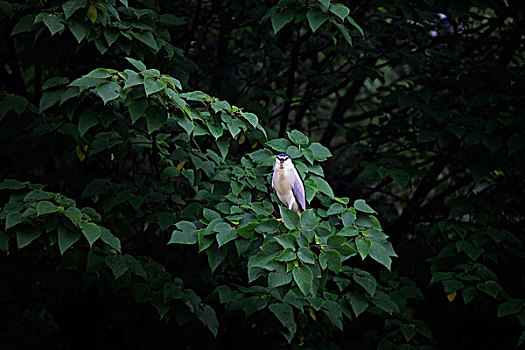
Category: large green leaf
[316,18]
[91,231]
[186,233]
[66,238]
[303,276]
[284,313]
[290,217]
[280,19]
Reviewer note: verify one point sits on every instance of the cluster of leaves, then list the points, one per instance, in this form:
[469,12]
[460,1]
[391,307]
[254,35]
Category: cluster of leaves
[292,262]
[316,14]
[53,220]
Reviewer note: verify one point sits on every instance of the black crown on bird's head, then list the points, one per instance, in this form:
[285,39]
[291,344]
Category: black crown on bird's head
[282,157]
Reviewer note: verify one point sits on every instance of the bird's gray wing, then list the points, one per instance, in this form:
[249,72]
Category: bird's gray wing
[273,179]
[298,190]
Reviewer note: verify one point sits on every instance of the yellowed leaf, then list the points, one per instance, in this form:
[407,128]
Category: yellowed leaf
[92,13]
[112,157]
[451,297]
[242,139]
[95,198]
[79,153]
[181,164]
[312,314]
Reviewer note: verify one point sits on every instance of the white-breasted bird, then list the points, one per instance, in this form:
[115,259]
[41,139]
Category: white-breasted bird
[287,183]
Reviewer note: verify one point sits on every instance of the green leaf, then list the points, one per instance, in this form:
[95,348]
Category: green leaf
[70,7]
[331,259]
[137,64]
[49,98]
[509,307]
[171,291]
[381,253]
[490,287]
[208,318]
[215,257]
[304,277]
[279,20]
[78,30]
[108,91]
[107,237]
[146,38]
[53,24]
[366,281]
[290,217]
[358,303]
[284,313]
[308,220]
[324,4]
[132,79]
[310,189]
[137,108]
[298,137]
[363,246]
[27,235]
[91,231]
[361,205]
[320,152]
[155,117]
[280,145]
[45,207]
[348,217]
[225,233]
[117,264]
[335,208]
[286,241]
[306,255]
[323,186]
[468,294]
[186,233]
[316,18]
[66,238]
[334,312]
[215,130]
[87,120]
[339,10]
[13,219]
[252,119]
[111,35]
[74,215]
[279,278]
[55,81]
[152,86]
[261,155]
[287,255]
[26,24]
[356,26]
[19,103]
[343,31]
[253,304]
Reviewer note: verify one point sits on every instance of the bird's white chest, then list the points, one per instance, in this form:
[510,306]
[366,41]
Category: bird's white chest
[283,182]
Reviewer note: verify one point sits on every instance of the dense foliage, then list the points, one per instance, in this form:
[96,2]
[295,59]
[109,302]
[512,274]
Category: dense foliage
[137,211]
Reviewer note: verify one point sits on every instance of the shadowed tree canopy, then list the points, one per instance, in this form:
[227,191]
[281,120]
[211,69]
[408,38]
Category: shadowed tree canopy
[137,145]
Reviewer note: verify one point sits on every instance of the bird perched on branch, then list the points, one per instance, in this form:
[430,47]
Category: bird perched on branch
[287,184]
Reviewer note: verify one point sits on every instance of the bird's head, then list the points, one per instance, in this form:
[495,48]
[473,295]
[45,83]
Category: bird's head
[283,160]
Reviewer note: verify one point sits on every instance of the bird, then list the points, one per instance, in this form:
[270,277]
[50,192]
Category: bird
[287,184]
